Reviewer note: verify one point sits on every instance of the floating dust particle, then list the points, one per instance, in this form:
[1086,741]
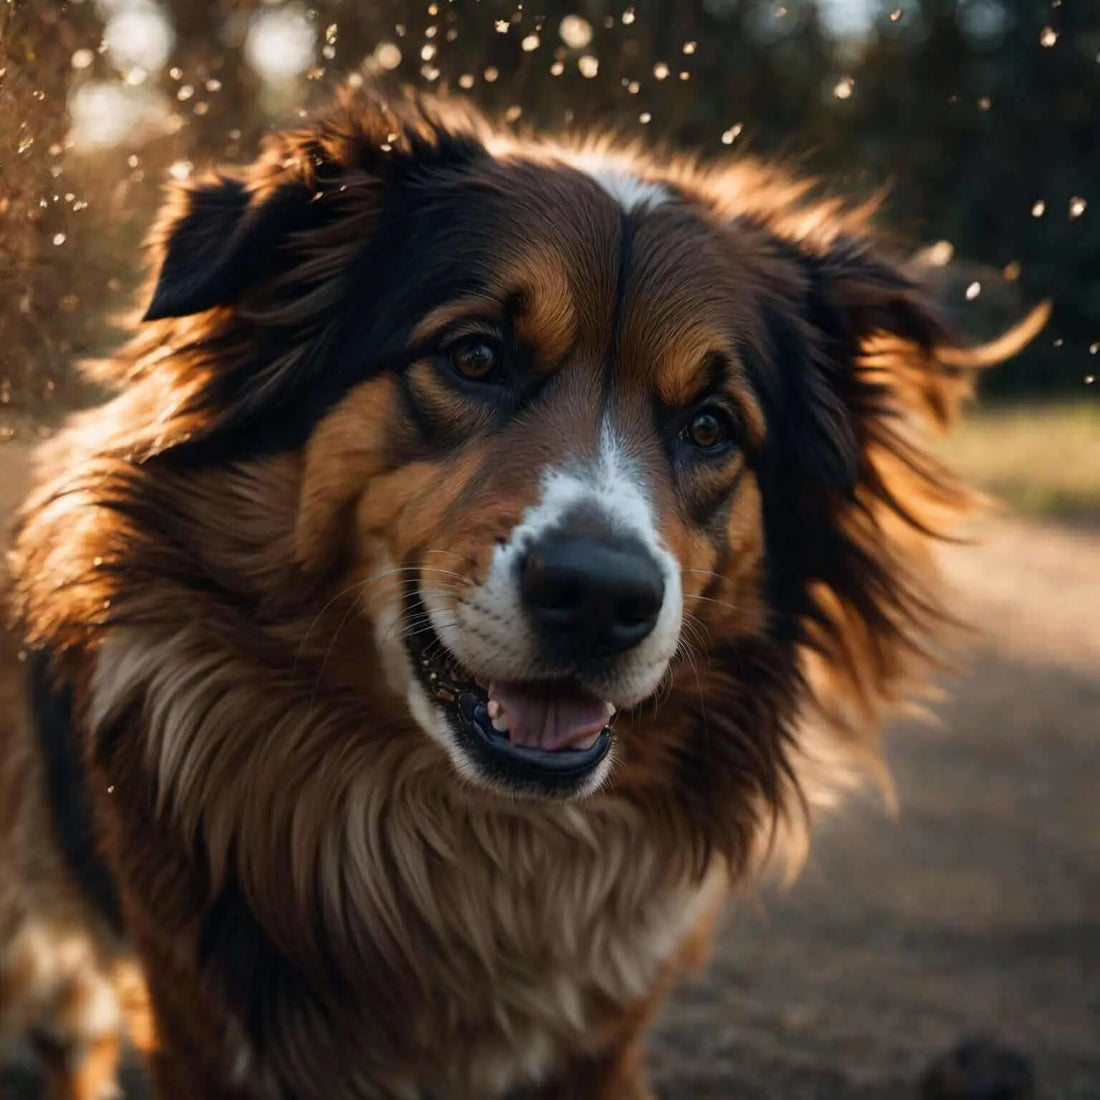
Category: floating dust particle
[973,291]
[1048,37]
[844,88]
[575,32]
[1038,209]
[941,253]
[387,55]
[1077,207]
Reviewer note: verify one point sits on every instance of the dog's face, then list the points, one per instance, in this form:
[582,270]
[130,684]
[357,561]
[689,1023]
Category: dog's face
[570,426]
[566,449]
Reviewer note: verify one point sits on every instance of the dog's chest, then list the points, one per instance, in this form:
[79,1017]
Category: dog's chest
[545,931]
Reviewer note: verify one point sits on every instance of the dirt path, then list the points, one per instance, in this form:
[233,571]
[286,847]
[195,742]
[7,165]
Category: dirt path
[978,909]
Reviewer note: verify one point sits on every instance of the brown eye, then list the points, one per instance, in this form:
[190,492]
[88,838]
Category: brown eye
[709,430]
[476,360]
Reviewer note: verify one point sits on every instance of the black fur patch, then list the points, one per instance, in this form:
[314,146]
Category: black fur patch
[70,803]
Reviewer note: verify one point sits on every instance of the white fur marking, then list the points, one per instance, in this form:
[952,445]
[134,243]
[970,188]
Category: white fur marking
[488,631]
[630,192]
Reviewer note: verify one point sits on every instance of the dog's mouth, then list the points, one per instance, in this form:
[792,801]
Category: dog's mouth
[547,734]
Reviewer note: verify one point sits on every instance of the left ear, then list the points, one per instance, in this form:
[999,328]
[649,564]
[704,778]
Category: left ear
[879,338]
[862,353]
[871,292]
[885,353]
[870,349]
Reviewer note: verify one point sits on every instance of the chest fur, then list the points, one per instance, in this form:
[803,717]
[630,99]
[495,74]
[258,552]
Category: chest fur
[487,939]
[549,932]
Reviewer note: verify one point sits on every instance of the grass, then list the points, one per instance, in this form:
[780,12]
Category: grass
[1040,459]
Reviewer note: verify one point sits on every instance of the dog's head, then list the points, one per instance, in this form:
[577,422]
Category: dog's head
[597,444]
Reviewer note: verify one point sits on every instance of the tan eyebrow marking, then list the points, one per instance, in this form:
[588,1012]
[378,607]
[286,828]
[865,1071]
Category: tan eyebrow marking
[475,306]
[534,290]
[547,318]
[682,378]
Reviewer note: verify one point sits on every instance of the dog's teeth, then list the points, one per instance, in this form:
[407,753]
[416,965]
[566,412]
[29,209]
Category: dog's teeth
[498,716]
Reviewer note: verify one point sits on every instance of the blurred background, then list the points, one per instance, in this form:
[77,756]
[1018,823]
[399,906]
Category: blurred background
[978,911]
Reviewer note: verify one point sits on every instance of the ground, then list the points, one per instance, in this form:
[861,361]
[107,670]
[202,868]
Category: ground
[975,910]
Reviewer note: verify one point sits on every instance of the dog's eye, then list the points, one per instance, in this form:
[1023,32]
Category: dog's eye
[476,359]
[709,430]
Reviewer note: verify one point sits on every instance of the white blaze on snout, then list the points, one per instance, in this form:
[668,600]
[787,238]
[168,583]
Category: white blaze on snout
[489,631]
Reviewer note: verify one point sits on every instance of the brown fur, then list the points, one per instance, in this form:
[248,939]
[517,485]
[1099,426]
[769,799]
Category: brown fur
[321,905]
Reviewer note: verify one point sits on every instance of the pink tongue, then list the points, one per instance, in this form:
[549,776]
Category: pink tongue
[550,721]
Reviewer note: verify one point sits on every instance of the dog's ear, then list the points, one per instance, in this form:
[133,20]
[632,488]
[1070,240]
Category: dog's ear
[216,237]
[877,350]
[861,356]
[857,301]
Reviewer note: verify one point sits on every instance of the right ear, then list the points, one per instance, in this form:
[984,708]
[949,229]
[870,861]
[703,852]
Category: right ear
[221,234]
[216,237]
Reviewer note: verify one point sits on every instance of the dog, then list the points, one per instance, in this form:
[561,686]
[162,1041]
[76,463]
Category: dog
[493,552]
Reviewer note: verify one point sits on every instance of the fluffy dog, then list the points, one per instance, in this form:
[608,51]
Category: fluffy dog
[493,550]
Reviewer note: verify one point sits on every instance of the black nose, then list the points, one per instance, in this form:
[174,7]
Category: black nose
[599,594]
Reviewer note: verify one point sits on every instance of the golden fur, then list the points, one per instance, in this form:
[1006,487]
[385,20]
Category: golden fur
[322,902]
